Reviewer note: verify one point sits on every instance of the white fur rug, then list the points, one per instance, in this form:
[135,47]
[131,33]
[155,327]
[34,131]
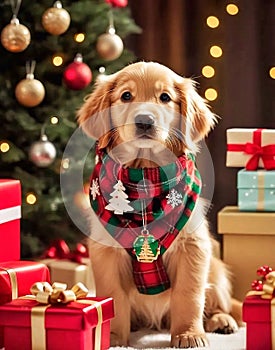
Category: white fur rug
[145,339]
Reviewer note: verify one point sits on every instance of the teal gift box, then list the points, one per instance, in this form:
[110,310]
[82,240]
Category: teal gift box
[256,190]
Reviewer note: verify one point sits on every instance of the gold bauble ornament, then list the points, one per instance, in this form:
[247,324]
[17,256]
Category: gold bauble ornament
[56,20]
[109,45]
[29,92]
[15,37]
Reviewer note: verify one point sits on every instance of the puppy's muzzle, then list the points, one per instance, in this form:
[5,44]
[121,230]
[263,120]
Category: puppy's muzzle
[144,122]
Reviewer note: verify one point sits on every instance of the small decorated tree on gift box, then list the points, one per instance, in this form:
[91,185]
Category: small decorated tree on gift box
[50,55]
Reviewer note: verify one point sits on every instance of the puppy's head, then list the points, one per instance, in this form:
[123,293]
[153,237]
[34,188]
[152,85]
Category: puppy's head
[146,104]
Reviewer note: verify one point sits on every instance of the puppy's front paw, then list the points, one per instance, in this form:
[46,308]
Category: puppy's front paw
[189,340]
[221,323]
[117,340]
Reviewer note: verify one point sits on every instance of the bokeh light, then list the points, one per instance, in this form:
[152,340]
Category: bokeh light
[272,72]
[31,198]
[79,37]
[54,120]
[215,51]
[212,21]
[208,71]
[232,9]
[57,61]
[211,94]
[4,147]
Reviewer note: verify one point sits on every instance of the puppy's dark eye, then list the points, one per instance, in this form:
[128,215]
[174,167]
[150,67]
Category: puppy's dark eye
[126,96]
[165,98]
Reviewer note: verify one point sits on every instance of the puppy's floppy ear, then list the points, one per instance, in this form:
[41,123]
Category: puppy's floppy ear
[94,115]
[199,118]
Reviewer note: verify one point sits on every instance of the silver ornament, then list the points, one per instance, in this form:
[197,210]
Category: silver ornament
[42,153]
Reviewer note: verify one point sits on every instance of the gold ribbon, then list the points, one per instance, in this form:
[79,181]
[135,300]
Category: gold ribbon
[260,203]
[267,293]
[13,281]
[14,286]
[48,295]
[38,331]
[99,322]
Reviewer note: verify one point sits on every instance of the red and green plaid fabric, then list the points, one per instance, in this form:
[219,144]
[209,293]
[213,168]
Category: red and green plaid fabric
[164,216]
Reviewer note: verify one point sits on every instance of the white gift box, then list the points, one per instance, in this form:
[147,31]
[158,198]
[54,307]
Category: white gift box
[250,148]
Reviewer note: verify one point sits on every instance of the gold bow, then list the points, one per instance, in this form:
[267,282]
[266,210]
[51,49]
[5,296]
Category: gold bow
[269,286]
[44,293]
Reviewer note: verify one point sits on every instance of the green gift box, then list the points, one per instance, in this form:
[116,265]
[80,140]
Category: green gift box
[256,190]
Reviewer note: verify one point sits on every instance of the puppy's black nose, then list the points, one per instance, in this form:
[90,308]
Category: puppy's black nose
[144,122]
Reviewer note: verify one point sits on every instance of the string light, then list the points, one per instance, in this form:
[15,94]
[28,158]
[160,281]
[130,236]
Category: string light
[65,163]
[215,51]
[31,198]
[232,9]
[54,120]
[4,147]
[101,70]
[212,21]
[208,71]
[79,37]
[272,72]
[57,60]
[211,94]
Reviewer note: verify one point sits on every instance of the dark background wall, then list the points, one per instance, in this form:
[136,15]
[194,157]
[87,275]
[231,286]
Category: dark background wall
[175,34]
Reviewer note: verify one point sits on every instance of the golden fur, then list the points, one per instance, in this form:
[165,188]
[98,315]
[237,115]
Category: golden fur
[117,114]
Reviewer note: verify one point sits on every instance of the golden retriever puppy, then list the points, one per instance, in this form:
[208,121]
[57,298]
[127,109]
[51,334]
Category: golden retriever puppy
[150,245]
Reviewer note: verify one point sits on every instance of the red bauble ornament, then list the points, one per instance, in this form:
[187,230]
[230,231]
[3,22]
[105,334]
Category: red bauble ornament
[117,3]
[78,74]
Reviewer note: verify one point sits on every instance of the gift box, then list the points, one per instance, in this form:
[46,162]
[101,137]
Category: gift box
[10,214]
[251,148]
[83,324]
[70,272]
[69,266]
[16,279]
[259,311]
[248,240]
[259,315]
[256,190]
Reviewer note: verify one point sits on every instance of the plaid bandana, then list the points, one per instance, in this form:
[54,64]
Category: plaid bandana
[163,197]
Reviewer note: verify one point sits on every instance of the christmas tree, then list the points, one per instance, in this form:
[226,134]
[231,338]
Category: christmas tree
[43,82]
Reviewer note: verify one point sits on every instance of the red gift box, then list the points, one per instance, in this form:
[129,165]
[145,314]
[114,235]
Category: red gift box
[16,279]
[259,315]
[67,326]
[10,214]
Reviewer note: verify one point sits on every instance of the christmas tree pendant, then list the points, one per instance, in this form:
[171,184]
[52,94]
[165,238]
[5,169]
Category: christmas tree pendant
[146,247]
[118,202]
